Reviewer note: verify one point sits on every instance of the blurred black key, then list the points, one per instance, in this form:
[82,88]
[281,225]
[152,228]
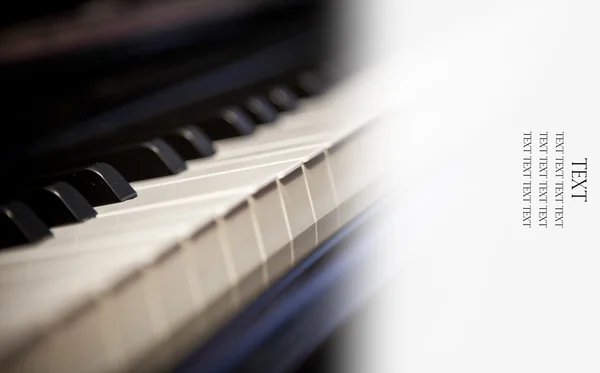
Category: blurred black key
[230,122]
[19,225]
[146,160]
[100,183]
[261,110]
[283,98]
[190,142]
[59,204]
[309,83]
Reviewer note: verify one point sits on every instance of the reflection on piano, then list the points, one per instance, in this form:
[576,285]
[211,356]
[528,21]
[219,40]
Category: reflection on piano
[159,179]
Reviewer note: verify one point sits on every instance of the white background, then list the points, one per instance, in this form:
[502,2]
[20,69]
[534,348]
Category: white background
[477,292]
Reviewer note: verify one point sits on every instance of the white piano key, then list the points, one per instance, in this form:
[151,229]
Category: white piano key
[171,277]
[323,195]
[40,358]
[17,330]
[60,267]
[248,257]
[275,234]
[300,212]
[354,165]
[211,267]
[208,263]
[78,346]
[132,309]
[212,287]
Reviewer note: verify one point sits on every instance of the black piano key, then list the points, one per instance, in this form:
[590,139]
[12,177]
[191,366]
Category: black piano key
[261,110]
[146,160]
[190,142]
[283,98]
[19,225]
[59,204]
[100,183]
[309,83]
[230,122]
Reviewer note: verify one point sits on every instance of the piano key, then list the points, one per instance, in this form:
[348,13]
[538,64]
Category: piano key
[190,142]
[59,204]
[139,320]
[345,157]
[323,195]
[146,160]
[230,122]
[302,218]
[245,254]
[274,230]
[261,110]
[211,271]
[283,98]
[309,83]
[19,225]
[100,183]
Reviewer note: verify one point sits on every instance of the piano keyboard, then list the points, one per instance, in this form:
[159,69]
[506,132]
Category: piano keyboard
[146,280]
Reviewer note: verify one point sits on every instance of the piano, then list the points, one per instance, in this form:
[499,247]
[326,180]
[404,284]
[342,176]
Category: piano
[178,181]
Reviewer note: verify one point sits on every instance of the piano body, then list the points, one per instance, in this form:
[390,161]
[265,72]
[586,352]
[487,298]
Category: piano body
[176,179]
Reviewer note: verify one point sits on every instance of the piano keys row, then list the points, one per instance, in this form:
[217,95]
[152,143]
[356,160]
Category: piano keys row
[279,193]
[66,192]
